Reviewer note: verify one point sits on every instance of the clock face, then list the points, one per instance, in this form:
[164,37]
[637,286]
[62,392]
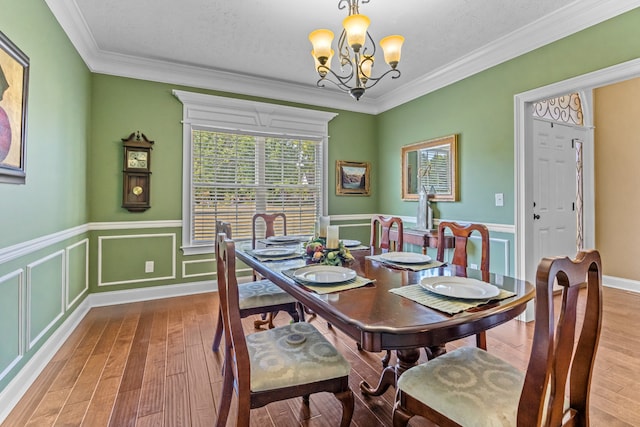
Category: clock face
[137,159]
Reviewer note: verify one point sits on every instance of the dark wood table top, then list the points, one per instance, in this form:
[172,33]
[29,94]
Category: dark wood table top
[380,320]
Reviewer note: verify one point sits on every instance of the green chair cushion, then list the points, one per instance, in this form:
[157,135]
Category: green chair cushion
[261,293]
[279,359]
[469,386]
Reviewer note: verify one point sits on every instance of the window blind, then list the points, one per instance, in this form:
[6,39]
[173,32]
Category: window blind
[235,175]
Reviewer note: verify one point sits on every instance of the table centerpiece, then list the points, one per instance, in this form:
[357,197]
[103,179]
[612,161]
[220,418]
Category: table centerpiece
[317,252]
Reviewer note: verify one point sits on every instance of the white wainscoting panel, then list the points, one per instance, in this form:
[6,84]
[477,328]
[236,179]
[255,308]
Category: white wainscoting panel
[102,239]
[33,296]
[15,279]
[185,264]
[82,245]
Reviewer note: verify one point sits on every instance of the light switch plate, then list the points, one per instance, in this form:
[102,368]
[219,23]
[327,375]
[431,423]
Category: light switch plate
[499,199]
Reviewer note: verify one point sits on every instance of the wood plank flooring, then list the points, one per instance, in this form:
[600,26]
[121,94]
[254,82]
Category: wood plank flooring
[150,364]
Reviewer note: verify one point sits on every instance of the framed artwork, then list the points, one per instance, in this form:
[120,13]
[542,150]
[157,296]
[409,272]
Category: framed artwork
[14,82]
[352,178]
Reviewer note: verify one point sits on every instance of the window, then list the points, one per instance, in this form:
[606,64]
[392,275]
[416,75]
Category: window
[243,157]
[562,109]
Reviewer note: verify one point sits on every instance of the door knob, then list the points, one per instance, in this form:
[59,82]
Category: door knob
[536,216]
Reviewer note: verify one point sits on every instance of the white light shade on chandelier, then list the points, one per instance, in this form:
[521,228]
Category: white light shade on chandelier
[356,51]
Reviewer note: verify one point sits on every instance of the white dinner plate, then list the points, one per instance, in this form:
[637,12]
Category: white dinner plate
[406,257]
[460,287]
[274,251]
[283,239]
[351,243]
[324,274]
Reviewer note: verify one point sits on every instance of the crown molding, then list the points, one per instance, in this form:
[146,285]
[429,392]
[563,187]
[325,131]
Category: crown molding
[566,21]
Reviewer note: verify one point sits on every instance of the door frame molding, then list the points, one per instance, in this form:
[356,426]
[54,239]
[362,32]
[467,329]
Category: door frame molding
[524,265]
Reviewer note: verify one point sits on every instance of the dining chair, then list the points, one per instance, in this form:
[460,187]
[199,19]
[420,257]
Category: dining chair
[277,364]
[269,220]
[269,225]
[257,297]
[382,225]
[470,386]
[461,234]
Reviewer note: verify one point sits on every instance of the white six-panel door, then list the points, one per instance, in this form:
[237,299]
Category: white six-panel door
[554,189]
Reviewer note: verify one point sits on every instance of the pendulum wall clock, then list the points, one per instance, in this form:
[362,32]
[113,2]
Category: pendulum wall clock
[136,179]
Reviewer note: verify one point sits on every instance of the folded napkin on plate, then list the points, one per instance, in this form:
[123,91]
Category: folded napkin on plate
[328,288]
[273,257]
[443,303]
[402,266]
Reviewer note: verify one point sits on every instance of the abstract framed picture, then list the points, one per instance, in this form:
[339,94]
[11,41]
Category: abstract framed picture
[14,84]
[352,178]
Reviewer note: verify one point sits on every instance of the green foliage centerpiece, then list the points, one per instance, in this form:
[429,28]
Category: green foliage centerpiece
[316,251]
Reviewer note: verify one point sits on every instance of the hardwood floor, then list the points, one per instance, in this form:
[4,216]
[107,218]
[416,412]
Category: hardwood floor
[150,364]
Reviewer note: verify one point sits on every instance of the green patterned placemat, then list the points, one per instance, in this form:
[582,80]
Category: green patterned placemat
[446,304]
[328,289]
[413,267]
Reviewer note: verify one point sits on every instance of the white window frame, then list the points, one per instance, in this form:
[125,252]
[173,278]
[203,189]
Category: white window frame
[220,113]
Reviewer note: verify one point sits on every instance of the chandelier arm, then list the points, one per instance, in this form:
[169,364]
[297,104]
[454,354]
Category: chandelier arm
[375,80]
[366,46]
[323,80]
[341,4]
[342,80]
[343,49]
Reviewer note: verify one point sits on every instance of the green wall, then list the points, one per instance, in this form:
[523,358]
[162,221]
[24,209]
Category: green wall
[42,270]
[54,196]
[121,106]
[480,110]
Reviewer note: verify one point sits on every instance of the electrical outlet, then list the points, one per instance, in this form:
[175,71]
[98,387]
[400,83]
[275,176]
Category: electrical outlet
[148,266]
[474,266]
[499,199]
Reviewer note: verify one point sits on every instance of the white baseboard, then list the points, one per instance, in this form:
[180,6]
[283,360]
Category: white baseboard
[620,283]
[101,299]
[19,385]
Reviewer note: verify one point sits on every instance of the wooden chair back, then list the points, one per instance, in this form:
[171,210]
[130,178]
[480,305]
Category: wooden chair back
[224,227]
[554,350]
[270,225]
[461,233]
[236,354]
[382,225]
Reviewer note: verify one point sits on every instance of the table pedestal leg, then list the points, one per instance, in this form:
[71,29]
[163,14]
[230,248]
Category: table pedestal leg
[406,359]
[435,351]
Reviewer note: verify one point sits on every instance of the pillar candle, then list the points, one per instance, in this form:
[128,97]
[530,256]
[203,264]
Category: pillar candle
[332,237]
[324,223]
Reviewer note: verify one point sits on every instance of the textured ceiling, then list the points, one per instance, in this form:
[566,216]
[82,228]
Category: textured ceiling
[267,39]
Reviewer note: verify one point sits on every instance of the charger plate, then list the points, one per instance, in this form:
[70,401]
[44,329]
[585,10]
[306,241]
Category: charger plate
[459,287]
[324,274]
[405,257]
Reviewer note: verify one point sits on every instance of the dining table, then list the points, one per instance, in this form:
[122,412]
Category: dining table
[380,311]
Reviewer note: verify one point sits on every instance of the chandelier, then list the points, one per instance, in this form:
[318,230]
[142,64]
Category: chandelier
[356,53]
